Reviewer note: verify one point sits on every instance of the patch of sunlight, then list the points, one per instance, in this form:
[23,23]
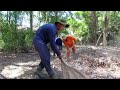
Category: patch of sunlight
[105,53]
[12,71]
[18,69]
[31,63]
[113,48]
[93,47]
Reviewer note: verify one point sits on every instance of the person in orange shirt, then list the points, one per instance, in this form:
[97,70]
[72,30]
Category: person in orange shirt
[69,42]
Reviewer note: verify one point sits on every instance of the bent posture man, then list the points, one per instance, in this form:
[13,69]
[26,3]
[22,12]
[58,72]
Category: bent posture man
[44,35]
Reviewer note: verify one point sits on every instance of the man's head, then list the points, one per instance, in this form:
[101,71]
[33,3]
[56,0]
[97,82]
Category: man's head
[61,24]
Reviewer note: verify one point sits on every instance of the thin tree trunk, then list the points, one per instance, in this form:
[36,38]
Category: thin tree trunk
[39,17]
[99,39]
[46,17]
[94,24]
[7,15]
[56,17]
[15,21]
[105,30]
[15,29]
[31,20]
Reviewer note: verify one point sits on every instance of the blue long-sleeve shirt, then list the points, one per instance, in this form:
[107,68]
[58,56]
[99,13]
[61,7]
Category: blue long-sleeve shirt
[46,34]
[58,41]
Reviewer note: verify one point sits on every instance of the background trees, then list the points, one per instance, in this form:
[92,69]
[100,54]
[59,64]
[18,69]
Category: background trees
[90,27]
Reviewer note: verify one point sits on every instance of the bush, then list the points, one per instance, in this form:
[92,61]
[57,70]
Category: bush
[15,40]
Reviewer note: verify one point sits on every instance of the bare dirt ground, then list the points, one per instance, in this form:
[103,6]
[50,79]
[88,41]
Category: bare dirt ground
[95,62]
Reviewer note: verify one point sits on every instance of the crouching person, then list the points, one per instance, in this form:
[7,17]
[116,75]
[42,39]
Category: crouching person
[58,42]
[70,43]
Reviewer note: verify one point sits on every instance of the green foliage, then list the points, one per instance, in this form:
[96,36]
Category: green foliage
[115,22]
[82,26]
[25,39]
[1,41]
[78,26]
[29,34]
[15,40]
[7,35]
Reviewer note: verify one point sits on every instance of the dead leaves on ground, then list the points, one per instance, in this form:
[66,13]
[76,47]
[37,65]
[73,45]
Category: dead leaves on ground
[94,63]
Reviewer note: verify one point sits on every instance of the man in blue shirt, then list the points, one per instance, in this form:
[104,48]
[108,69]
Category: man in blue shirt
[44,35]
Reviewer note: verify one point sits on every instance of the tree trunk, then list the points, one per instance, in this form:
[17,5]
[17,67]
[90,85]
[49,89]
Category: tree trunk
[94,23]
[15,20]
[56,17]
[15,29]
[105,30]
[39,17]
[46,17]
[7,17]
[31,20]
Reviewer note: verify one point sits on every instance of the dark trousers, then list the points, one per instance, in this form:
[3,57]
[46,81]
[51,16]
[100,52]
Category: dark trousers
[44,54]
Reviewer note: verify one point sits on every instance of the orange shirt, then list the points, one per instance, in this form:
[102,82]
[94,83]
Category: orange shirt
[69,41]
